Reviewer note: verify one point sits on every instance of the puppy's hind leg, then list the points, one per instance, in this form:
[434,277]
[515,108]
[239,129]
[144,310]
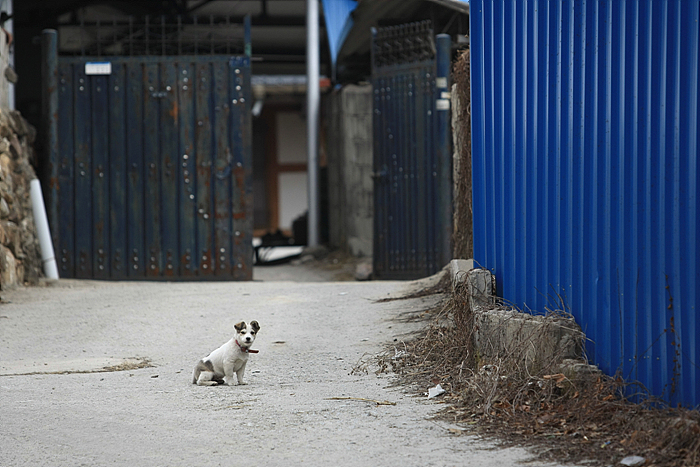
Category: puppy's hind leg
[205,379]
[203,374]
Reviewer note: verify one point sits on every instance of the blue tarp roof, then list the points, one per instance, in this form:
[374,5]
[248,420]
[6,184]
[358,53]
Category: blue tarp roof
[338,23]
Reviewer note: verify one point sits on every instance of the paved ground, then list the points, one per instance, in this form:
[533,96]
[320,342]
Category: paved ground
[313,334]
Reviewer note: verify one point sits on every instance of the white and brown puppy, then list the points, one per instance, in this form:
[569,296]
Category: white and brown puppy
[219,366]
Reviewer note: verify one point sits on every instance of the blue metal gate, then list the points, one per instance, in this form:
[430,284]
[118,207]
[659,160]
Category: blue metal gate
[412,159]
[151,167]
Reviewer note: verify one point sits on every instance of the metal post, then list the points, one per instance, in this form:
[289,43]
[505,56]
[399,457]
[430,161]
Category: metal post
[248,50]
[312,110]
[444,147]
[49,63]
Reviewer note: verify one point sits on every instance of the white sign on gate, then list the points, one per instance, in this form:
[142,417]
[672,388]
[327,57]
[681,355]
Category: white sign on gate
[98,68]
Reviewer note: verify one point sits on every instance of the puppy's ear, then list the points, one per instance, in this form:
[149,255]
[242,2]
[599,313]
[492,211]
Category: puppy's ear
[239,326]
[255,326]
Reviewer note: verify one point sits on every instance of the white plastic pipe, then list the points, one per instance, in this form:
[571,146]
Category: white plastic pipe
[42,228]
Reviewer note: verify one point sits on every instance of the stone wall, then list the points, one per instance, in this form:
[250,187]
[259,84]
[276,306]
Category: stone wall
[20,259]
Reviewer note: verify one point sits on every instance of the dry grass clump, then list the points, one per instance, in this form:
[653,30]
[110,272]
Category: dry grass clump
[568,412]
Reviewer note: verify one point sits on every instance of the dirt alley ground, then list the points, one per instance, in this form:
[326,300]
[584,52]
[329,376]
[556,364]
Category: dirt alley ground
[59,408]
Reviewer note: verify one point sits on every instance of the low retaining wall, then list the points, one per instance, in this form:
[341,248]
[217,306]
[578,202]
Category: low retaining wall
[499,331]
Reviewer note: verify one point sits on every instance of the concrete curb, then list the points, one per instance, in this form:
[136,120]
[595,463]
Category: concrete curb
[501,330]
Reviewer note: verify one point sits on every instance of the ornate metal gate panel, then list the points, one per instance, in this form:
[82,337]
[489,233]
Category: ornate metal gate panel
[411,154]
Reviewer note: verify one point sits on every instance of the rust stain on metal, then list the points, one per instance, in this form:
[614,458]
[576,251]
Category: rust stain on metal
[185,261]
[174,110]
[53,184]
[239,173]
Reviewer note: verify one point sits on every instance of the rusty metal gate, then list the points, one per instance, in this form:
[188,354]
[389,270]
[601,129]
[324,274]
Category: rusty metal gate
[412,156]
[150,166]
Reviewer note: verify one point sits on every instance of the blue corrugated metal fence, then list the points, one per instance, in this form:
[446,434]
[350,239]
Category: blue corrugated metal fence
[585,173]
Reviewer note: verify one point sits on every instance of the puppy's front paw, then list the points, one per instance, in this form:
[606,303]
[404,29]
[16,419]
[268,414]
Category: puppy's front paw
[242,383]
[230,381]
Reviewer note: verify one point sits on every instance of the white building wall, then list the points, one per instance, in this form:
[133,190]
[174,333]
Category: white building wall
[291,149]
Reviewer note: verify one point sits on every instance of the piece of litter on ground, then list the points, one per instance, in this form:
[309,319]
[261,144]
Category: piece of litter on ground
[343,293]
[436,391]
[633,461]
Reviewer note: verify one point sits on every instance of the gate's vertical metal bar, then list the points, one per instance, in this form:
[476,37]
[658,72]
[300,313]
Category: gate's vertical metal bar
[423,199]
[238,192]
[203,148]
[117,172]
[169,132]
[50,96]
[241,144]
[135,222]
[392,160]
[427,127]
[152,167]
[186,167]
[246,127]
[100,183]
[444,148]
[83,174]
[65,221]
[223,164]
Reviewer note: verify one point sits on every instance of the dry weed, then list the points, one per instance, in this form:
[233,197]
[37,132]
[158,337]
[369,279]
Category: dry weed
[567,413]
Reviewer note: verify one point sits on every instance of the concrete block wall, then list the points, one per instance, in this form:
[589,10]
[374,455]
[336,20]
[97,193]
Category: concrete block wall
[501,330]
[350,161]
